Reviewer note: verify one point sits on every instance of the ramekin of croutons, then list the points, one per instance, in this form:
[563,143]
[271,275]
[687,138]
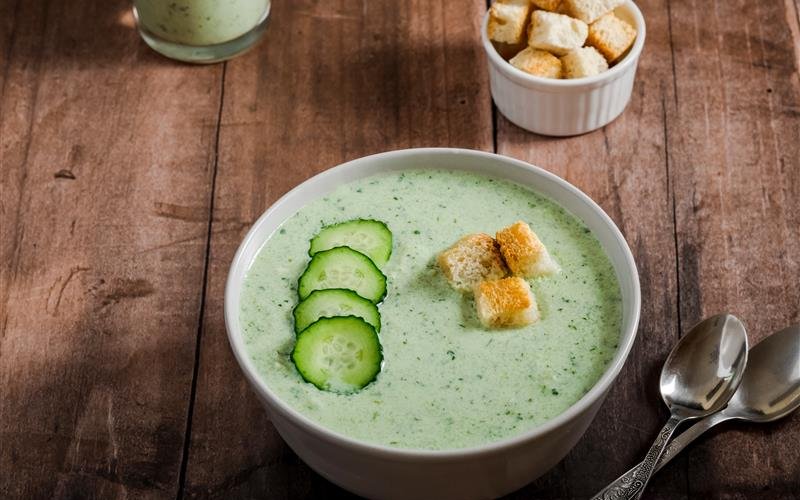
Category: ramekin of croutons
[562,67]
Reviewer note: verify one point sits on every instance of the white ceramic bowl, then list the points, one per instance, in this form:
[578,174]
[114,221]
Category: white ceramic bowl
[485,471]
[565,107]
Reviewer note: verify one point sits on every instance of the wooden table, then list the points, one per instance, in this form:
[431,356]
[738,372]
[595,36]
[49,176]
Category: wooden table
[129,180]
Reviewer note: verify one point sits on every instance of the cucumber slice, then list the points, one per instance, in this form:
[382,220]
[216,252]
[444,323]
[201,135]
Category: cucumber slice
[343,267]
[334,302]
[338,354]
[370,237]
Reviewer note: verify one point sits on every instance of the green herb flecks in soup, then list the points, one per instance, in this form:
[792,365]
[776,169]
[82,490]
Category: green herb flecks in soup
[446,382]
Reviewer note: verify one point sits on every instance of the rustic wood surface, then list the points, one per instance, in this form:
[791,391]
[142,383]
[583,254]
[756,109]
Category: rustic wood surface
[127,182]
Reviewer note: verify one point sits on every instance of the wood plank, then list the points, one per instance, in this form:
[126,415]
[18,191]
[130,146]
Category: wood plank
[332,82]
[624,167]
[106,152]
[735,148]
[793,21]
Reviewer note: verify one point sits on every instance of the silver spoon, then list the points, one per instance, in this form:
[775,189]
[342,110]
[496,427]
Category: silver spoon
[770,390]
[699,377]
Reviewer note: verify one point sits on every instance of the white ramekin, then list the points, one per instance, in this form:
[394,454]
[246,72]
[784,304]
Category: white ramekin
[564,107]
[486,471]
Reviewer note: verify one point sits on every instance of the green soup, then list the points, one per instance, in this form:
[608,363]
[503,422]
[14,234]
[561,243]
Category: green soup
[446,381]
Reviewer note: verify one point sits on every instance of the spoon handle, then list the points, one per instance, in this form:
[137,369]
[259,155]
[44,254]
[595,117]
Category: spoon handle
[675,446]
[631,487]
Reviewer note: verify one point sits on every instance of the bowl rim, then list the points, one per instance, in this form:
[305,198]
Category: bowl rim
[596,393]
[554,84]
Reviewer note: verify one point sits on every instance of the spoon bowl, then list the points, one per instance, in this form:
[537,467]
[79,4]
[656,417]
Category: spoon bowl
[699,377]
[703,371]
[770,388]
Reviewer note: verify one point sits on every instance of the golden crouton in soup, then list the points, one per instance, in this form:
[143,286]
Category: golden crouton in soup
[470,260]
[505,303]
[524,253]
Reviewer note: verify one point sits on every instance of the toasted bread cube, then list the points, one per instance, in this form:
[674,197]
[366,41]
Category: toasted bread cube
[590,10]
[525,254]
[551,5]
[505,303]
[556,33]
[611,36]
[586,61]
[563,8]
[472,259]
[537,62]
[507,19]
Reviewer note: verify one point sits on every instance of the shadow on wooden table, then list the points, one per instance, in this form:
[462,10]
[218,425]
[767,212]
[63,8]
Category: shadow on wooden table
[111,431]
[65,36]
[348,86]
[411,95]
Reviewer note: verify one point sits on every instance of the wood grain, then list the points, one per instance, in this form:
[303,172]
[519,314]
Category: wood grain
[104,203]
[735,151]
[624,167]
[126,180]
[375,76]
[792,8]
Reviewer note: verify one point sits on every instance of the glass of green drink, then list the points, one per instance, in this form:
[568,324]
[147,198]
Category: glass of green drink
[201,31]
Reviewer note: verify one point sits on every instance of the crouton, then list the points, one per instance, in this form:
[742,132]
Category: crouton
[505,303]
[507,19]
[586,61]
[611,36]
[537,62]
[472,259]
[556,33]
[562,8]
[551,5]
[525,255]
[590,10]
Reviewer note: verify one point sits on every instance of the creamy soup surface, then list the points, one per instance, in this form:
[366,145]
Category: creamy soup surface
[446,382]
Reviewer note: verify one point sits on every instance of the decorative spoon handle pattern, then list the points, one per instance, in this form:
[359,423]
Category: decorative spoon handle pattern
[675,446]
[631,487]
